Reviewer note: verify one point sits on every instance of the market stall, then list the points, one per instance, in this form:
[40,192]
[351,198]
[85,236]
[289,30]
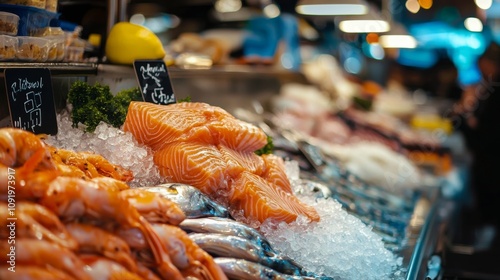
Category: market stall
[204,164]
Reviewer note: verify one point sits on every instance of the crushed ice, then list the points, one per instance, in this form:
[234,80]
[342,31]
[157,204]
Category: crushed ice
[339,245]
[117,146]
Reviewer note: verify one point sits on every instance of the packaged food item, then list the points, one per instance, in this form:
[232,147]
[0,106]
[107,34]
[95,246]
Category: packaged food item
[8,47]
[33,3]
[31,19]
[32,49]
[56,48]
[51,5]
[74,54]
[8,23]
[47,31]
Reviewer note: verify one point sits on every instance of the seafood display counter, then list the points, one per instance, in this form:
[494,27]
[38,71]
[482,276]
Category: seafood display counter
[351,227]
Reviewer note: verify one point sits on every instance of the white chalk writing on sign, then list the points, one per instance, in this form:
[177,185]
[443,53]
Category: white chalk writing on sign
[152,72]
[24,84]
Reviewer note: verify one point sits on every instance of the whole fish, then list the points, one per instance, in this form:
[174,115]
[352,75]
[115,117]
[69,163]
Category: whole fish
[246,270]
[227,226]
[220,245]
[192,201]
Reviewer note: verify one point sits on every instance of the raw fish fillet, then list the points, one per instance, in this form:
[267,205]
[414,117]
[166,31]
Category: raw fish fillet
[260,200]
[157,125]
[275,172]
[238,161]
[205,147]
[198,165]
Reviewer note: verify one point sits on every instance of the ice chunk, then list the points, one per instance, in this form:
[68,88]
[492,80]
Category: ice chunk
[339,245]
[112,143]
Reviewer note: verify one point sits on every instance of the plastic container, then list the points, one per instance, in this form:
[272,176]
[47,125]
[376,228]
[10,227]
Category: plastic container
[74,54]
[8,47]
[32,3]
[31,19]
[51,5]
[56,48]
[33,49]
[9,23]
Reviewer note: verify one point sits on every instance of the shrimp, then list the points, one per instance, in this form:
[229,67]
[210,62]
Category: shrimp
[70,158]
[107,169]
[111,183]
[45,254]
[102,268]
[95,240]
[145,273]
[92,165]
[184,253]
[37,222]
[33,272]
[176,249]
[201,264]
[26,181]
[17,146]
[154,207]
[72,198]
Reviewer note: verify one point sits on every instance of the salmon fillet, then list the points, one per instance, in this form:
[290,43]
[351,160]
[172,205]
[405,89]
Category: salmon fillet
[238,161]
[199,165]
[157,125]
[206,147]
[261,200]
[275,172]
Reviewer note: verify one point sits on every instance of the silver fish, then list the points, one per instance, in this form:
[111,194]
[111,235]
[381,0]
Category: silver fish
[220,245]
[239,269]
[192,201]
[228,227]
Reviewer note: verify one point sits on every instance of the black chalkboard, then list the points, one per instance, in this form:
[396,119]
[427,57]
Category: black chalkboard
[154,81]
[31,99]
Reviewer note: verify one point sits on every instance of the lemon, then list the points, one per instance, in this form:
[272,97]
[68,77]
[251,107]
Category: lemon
[128,42]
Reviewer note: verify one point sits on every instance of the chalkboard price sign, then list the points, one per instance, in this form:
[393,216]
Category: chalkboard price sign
[154,81]
[31,99]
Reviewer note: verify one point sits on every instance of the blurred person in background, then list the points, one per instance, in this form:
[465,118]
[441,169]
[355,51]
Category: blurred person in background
[479,109]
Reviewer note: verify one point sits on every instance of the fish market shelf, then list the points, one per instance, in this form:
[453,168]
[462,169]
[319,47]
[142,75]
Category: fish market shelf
[226,71]
[56,68]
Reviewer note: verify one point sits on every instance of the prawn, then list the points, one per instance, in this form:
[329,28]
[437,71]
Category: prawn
[92,165]
[72,198]
[26,181]
[45,254]
[154,207]
[111,183]
[184,253]
[92,239]
[201,264]
[102,268]
[37,222]
[33,272]
[17,146]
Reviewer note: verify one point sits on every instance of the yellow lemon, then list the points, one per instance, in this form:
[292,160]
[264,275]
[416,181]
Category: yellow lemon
[128,42]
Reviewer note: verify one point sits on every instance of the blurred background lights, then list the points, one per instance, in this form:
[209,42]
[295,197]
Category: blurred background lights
[352,65]
[138,19]
[376,51]
[271,11]
[412,6]
[425,4]
[331,7]
[398,41]
[473,24]
[227,6]
[364,26]
[484,4]
[372,38]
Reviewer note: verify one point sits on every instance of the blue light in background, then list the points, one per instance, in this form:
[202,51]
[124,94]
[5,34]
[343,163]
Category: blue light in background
[462,46]
[421,58]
